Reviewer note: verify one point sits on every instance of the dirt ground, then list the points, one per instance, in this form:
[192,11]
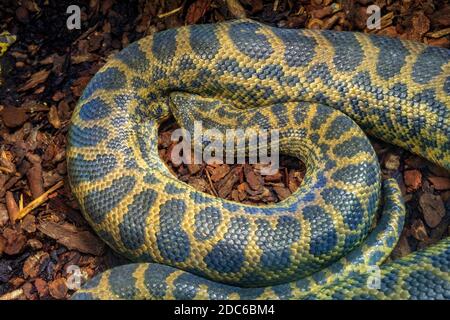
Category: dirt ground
[42,232]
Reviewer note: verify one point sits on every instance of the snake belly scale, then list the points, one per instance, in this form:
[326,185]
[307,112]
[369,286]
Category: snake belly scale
[323,90]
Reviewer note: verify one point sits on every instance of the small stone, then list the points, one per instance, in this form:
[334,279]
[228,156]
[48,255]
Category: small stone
[413,179]
[433,209]
[440,183]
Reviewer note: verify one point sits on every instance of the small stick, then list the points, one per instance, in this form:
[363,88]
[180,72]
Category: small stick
[39,200]
[166,14]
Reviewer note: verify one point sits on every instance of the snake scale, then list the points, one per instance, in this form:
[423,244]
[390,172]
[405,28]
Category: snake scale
[323,90]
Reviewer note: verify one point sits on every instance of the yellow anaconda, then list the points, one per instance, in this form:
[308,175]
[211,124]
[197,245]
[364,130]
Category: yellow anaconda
[318,88]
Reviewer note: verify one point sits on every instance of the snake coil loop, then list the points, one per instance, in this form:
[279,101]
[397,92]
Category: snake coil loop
[322,90]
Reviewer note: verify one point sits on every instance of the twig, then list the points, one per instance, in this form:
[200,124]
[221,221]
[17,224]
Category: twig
[38,201]
[438,34]
[166,14]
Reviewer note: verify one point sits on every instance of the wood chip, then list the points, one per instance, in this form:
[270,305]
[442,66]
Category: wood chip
[32,266]
[197,10]
[440,183]
[37,78]
[41,287]
[413,179]
[236,9]
[4,217]
[418,230]
[53,117]
[254,180]
[225,185]
[34,177]
[282,192]
[433,209]
[13,117]
[58,288]
[74,239]
[11,205]
[219,172]
[15,241]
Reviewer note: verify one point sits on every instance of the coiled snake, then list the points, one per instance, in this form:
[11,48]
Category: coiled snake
[317,243]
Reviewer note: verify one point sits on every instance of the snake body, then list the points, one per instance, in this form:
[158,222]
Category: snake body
[322,90]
